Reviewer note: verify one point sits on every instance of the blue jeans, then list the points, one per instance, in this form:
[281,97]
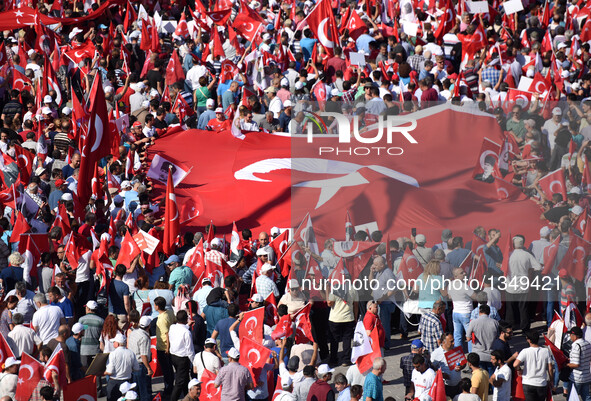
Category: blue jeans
[582,390]
[144,383]
[461,322]
[386,310]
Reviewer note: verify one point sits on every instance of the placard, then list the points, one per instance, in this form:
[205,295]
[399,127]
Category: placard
[477,7]
[98,365]
[410,28]
[524,83]
[454,357]
[357,59]
[513,6]
[146,242]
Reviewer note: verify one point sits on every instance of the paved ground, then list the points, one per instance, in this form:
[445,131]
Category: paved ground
[393,375]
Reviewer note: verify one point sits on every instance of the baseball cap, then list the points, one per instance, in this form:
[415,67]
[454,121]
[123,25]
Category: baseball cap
[210,103]
[335,92]
[47,99]
[102,26]
[140,85]
[287,104]
[446,234]
[219,110]
[417,344]
[119,338]
[453,76]
[59,182]
[136,124]
[262,252]
[561,45]
[145,321]
[576,210]
[266,267]
[11,361]
[39,171]
[67,197]
[206,280]
[420,239]
[275,230]
[126,183]
[92,305]
[575,190]
[299,85]
[46,110]
[172,259]
[233,353]
[557,111]
[131,395]
[324,369]
[270,89]
[577,331]
[66,111]
[257,298]
[266,36]
[286,381]
[216,242]
[294,283]
[210,341]
[545,231]
[77,328]
[193,383]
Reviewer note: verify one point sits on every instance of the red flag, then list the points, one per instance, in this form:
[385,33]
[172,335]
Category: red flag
[216,273]
[96,144]
[322,22]
[437,391]
[507,251]
[182,107]
[129,250]
[561,359]
[220,17]
[280,246]
[195,262]
[154,361]
[409,266]
[171,218]
[303,326]
[20,81]
[356,255]
[174,70]
[550,253]
[574,260]
[229,70]
[24,160]
[284,328]
[447,20]
[540,85]
[83,389]
[586,31]
[74,250]
[217,44]
[29,374]
[5,350]
[355,25]
[251,325]
[208,389]
[552,183]
[254,357]
[365,362]
[20,227]
[247,27]
[506,190]
[50,82]
[57,364]
[182,29]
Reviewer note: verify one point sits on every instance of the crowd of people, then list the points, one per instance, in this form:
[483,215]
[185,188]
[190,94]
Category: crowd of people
[68,287]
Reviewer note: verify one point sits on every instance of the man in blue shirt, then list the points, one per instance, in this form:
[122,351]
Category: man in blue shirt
[56,298]
[73,343]
[119,303]
[222,329]
[207,115]
[372,386]
[229,96]
[307,44]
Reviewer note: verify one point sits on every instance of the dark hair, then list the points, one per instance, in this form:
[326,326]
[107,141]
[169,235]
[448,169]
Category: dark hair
[498,354]
[46,392]
[182,317]
[233,310]
[160,303]
[309,370]
[418,359]
[484,308]
[532,336]
[466,384]
[120,270]
[229,281]
[134,316]
[473,359]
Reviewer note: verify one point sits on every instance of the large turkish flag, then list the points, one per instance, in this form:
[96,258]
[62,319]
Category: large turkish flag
[429,187]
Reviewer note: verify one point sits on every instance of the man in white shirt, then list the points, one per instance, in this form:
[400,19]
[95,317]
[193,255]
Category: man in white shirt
[208,359]
[120,366]
[537,367]
[201,294]
[22,338]
[551,126]
[422,377]
[47,320]
[501,378]
[451,374]
[181,353]
[275,104]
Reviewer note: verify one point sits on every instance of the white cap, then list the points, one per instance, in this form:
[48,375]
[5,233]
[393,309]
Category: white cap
[67,197]
[109,89]
[46,110]
[286,380]
[74,32]
[11,361]
[126,386]
[131,395]
[299,85]
[92,305]
[565,74]
[216,242]
[575,190]
[193,383]
[119,338]
[77,328]
[576,210]
[266,267]
[266,36]
[257,298]
[561,45]
[209,103]
[275,230]
[284,82]
[219,110]
[262,252]
[66,111]
[287,103]
[145,321]
[210,341]
[324,369]
[47,99]
[557,111]
[335,92]
[140,85]
[233,353]
[544,231]
[420,239]
[125,184]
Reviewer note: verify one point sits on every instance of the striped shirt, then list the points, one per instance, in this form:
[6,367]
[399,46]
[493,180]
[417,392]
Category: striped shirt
[431,330]
[139,342]
[580,354]
[93,325]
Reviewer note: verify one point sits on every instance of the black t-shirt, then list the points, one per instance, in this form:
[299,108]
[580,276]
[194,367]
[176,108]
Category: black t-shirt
[502,346]
[215,295]
[153,78]
[556,213]
[563,136]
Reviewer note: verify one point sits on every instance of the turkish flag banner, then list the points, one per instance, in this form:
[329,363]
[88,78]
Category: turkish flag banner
[409,266]
[437,391]
[284,328]
[29,374]
[154,365]
[550,253]
[552,183]
[129,250]
[208,389]
[251,325]
[5,350]
[83,389]
[253,356]
[364,362]
[322,22]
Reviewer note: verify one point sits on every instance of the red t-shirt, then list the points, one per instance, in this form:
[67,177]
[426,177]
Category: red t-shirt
[370,321]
